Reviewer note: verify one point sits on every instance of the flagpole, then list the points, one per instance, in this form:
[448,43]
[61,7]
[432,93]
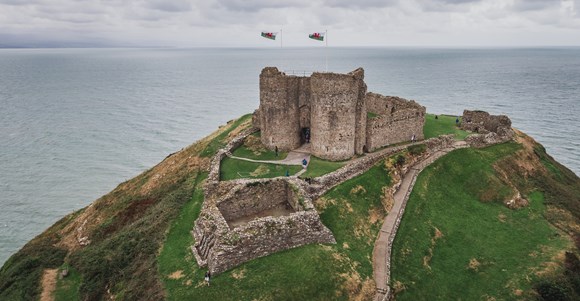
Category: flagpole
[280,37]
[326,48]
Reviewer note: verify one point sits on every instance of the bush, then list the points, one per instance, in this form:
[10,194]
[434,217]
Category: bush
[417,149]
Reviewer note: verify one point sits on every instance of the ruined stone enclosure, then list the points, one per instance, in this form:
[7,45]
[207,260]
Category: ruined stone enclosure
[341,117]
[242,220]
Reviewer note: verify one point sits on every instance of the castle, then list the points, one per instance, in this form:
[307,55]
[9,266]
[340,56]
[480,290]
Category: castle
[249,218]
[334,112]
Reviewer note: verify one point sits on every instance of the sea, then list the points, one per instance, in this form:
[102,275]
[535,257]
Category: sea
[74,123]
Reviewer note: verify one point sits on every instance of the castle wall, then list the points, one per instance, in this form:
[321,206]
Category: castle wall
[279,110]
[256,198]
[266,236]
[483,123]
[396,120]
[335,100]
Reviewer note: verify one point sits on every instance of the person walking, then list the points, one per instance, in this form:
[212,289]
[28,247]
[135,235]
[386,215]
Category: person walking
[207,277]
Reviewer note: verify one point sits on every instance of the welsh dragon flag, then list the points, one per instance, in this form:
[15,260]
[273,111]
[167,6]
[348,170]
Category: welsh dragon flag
[319,36]
[269,35]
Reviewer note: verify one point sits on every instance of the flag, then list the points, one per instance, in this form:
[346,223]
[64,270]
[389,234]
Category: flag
[319,36]
[269,35]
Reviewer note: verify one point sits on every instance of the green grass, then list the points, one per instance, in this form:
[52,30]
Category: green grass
[442,126]
[220,141]
[354,227]
[311,272]
[237,169]
[318,167]
[68,288]
[509,245]
[371,115]
[176,254]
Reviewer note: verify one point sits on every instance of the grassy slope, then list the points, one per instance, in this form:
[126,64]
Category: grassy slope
[126,227]
[441,126]
[318,167]
[313,272]
[510,246]
[256,150]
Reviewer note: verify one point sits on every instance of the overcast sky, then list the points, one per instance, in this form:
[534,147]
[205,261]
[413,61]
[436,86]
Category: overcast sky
[208,23]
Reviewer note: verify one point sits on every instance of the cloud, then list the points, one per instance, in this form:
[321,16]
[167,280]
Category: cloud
[170,6]
[350,23]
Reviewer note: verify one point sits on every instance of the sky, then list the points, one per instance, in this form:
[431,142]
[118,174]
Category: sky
[238,23]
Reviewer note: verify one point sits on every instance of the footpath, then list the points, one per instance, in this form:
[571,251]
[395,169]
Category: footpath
[384,242]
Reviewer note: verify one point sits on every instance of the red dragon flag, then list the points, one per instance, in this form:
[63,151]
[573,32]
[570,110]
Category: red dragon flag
[319,36]
[269,35]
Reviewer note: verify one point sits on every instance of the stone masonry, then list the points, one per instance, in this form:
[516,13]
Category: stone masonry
[335,108]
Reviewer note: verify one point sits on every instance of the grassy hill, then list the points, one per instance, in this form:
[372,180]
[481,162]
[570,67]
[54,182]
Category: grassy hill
[455,230]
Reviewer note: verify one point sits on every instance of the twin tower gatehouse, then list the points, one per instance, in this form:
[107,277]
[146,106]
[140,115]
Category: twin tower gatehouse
[334,113]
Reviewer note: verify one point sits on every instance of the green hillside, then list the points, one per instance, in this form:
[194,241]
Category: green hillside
[457,239]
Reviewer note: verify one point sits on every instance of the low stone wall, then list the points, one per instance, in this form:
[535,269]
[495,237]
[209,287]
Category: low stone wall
[318,186]
[265,236]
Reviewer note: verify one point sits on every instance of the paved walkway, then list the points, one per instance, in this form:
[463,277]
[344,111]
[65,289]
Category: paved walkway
[383,244]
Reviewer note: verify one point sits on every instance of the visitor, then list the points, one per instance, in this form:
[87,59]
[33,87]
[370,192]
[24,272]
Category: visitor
[413,138]
[436,117]
[287,173]
[457,121]
[304,163]
[207,277]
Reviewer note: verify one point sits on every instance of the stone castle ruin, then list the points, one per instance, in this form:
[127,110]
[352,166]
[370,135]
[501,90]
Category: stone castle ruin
[245,219]
[335,112]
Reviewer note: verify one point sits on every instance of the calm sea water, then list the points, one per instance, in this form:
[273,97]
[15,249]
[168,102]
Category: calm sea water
[76,122]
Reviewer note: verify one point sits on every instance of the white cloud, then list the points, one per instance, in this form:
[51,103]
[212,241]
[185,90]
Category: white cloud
[350,23]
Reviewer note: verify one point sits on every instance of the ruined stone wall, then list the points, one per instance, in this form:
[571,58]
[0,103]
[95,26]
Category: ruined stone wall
[279,111]
[396,120]
[335,101]
[255,198]
[266,236]
[483,123]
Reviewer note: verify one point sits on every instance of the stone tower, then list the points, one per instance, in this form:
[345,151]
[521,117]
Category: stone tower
[279,110]
[338,117]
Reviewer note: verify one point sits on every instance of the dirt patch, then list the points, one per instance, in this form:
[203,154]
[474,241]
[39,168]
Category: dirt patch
[356,288]
[358,189]
[427,259]
[553,266]
[345,245]
[241,274]
[398,287]
[322,203]
[562,219]
[348,207]
[260,171]
[48,284]
[502,217]
[473,265]
[387,198]
[188,282]
[176,275]
[518,292]
[375,215]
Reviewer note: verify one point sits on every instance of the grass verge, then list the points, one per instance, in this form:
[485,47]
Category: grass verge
[237,169]
[448,235]
[318,167]
[443,125]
